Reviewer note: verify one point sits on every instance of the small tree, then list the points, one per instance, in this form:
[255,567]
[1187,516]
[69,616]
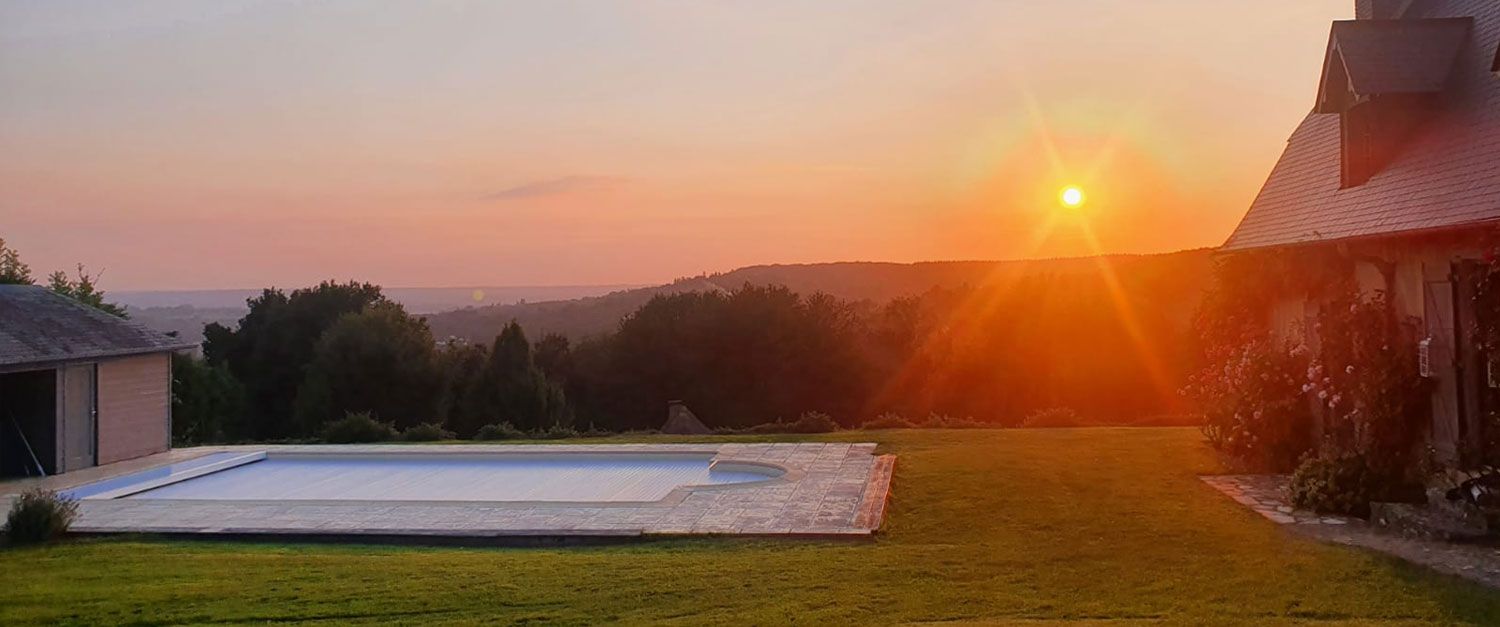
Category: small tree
[380,360]
[467,402]
[207,402]
[85,289]
[522,392]
[12,270]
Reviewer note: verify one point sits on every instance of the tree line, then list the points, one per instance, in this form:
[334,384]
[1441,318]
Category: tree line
[300,360]
[1093,347]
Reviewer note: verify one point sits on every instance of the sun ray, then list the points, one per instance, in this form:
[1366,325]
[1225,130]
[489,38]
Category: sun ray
[1150,360]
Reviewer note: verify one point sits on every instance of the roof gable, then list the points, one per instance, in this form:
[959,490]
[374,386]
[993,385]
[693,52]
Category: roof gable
[39,326]
[1367,58]
[1445,175]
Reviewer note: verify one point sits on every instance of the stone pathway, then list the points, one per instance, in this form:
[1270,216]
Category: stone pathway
[829,490]
[1266,495]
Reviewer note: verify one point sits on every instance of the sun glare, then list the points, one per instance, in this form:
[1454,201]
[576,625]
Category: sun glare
[1072,197]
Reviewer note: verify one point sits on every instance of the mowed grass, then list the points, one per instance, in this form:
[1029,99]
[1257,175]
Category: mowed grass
[1004,526]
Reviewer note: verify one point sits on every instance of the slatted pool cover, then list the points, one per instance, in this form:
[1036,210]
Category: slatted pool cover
[446,477]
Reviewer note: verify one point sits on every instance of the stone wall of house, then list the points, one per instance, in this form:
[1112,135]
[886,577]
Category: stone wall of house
[1291,323]
[134,407]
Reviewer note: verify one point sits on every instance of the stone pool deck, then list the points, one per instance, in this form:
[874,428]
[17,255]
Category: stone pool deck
[1266,495]
[829,490]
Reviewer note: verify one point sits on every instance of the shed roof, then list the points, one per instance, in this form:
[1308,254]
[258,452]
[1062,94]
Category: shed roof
[40,327]
[1446,175]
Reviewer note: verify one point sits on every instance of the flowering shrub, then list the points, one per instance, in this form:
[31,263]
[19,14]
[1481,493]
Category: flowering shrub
[1373,402]
[1366,377]
[1253,404]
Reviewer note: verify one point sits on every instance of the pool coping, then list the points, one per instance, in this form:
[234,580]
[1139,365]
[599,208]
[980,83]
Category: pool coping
[829,490]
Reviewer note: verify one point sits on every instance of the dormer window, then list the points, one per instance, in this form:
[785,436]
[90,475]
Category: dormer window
[1383,77]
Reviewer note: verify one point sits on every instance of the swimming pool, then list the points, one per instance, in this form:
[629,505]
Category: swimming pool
[467,492]
[431,477]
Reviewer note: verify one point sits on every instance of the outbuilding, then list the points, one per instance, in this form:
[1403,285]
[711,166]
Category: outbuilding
[78,387]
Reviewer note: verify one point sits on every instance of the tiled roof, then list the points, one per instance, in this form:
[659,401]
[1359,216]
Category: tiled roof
[38,326]
[1446,175]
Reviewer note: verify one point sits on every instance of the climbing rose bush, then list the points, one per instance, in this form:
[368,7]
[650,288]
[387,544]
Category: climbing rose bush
[1254,406]
[1374,403]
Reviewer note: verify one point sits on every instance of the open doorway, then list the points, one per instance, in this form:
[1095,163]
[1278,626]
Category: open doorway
[28,423]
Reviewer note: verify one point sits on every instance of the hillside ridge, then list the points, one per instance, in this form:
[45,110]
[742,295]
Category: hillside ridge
[872,281]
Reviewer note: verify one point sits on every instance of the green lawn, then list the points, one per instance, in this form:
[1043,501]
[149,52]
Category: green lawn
[991,526]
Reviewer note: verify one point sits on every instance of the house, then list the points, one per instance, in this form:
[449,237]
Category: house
[1397,169]
[78,387]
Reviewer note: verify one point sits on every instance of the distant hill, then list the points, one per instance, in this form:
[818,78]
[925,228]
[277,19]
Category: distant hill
[186,312]
[1174,280]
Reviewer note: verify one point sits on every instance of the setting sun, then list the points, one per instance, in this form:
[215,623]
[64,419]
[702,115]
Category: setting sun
[1072,197]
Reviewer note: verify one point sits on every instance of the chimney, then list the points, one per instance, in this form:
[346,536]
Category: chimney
[1381,9]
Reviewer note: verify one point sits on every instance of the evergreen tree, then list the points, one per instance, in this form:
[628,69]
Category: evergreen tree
[84,289]
[12,270]
[523,395]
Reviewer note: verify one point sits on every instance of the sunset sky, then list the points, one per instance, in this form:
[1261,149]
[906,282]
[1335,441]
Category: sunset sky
[243,144]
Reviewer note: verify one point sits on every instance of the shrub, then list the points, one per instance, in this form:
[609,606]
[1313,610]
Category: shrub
[39,515]
[1334,484]
[502,431]
[356,428]
[808,422]
[813,422]
[888,420]
[593,432]
[555,432]
[943,421]
[426,432]
[1054,417]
